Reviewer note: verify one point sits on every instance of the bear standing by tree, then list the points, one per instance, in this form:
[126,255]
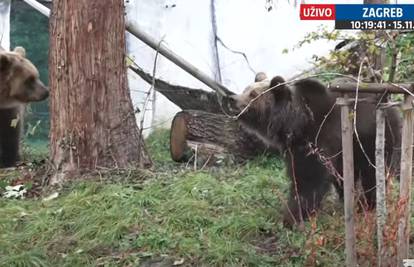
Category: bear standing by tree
[20,84]
[304,123]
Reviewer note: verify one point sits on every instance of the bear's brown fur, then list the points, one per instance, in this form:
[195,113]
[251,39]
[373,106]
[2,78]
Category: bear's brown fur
[304,122]
[20,84]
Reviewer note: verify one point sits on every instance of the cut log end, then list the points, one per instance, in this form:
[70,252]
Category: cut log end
[204,135]
[179,149]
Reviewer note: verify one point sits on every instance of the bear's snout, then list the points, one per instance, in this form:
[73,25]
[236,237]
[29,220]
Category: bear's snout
[41,92]
[237,102]
[45,94]
[34,92]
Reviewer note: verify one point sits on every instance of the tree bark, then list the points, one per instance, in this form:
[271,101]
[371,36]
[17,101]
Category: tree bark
[214,134]
[92,119]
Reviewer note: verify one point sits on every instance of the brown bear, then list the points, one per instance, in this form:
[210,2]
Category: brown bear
[304,123]
[20,84]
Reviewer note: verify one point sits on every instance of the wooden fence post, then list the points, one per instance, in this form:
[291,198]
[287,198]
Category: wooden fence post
[405,180]
[380,179]
[348,175]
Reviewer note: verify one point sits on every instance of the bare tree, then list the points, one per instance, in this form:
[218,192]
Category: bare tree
[93,123]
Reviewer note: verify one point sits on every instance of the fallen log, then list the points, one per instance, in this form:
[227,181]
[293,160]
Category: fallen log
[211,136]
[183,97]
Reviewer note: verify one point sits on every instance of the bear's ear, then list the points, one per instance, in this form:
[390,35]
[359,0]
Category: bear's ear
[260,76]
[5,63]
[20,50]
[280,90]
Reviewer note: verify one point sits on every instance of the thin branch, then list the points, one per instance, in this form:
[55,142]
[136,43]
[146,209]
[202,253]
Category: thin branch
[355,114]
[236,52]
[323,122]
[403,88]
[295,184]
[150,90]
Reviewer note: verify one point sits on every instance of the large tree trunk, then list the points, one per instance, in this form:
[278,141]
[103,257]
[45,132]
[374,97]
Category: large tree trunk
[93,124]
[212,135]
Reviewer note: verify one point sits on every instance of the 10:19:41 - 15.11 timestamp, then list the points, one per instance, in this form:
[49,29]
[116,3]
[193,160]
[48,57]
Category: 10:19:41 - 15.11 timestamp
[374,24]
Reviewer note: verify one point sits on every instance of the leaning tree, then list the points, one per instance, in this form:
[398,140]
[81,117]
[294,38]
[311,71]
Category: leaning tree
[93,122]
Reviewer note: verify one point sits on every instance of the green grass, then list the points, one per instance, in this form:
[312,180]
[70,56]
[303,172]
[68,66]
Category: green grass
[226,216]
[35,150]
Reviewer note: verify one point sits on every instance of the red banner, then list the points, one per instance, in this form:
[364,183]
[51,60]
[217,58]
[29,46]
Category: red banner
[317,12]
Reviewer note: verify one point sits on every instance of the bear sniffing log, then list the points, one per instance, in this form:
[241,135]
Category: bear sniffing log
[289,119]
[20,84]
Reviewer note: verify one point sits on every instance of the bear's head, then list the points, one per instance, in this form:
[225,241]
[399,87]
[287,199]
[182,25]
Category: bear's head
[253,95]
[273,111]
[257,99]
[20,81]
